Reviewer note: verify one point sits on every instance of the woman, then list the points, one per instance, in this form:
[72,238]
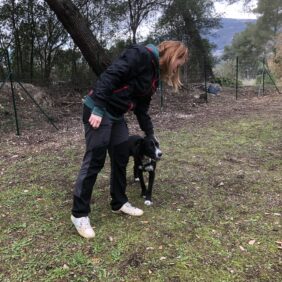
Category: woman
[127,84]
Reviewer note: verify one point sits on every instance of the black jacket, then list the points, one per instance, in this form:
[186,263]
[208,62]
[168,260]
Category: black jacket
[128,84]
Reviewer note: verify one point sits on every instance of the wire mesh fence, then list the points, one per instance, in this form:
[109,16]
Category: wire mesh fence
[42,102]
[246,72]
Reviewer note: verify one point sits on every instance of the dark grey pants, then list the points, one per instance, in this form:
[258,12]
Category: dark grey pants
[112,136]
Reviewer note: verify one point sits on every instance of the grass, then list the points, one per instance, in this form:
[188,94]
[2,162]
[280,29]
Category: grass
[216,213]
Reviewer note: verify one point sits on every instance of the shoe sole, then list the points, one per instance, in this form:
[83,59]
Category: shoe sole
[91,237]
[121,212]
[117,212]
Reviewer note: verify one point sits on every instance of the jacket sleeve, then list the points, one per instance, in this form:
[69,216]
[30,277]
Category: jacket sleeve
[144,119]
[115,76]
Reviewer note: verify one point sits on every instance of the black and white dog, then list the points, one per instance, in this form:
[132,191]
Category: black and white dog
[146,153]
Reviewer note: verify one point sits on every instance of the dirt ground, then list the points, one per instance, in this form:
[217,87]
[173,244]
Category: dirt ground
[184,109]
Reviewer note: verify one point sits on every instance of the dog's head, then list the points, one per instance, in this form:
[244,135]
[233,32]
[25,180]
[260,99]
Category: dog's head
[151,148]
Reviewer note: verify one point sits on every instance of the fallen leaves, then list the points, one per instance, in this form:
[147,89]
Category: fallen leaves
[279,244]
[252,242]
[96,260]
[220,184]
[275,213]
[242,248]
[144,221]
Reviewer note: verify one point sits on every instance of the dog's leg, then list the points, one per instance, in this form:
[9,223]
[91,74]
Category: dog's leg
[135,172]
[142,183]
[148,199]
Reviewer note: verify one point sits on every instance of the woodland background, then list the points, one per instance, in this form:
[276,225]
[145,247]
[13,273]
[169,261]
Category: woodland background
[43,53]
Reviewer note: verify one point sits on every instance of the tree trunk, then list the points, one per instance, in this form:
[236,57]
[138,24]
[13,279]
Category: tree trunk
[18,53]
[196,39]
[32,38]
[69,15]
[74,67]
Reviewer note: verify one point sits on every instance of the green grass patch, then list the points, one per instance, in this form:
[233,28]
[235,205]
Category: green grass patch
[216,213]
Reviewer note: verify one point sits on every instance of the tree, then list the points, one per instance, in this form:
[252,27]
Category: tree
[246,2]
[270,20]
[275,61]
[189,20]
[245,46]
[77,27]
[38,39]
[33,34]
[138,11]
[101,18]
[32,27]
[10,16]
[259,39]
[50,38]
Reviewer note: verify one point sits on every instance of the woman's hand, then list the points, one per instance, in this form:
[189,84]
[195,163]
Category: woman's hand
[95,121]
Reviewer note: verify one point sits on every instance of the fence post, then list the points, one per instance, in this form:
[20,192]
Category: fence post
[162,100]
[205,74]
[237,74]
[263,75]
[269,74]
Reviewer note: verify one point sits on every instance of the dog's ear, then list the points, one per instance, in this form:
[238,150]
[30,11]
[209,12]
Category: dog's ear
[154,139]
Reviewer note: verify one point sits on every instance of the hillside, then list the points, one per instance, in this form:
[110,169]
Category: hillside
[224,35]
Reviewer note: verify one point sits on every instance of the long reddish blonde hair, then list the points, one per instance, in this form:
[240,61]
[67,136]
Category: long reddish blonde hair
[169,51]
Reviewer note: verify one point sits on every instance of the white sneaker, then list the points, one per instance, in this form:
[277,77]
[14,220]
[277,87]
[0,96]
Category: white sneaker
[129,209]
[83,227]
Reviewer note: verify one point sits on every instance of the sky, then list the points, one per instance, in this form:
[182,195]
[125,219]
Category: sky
[235,11]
